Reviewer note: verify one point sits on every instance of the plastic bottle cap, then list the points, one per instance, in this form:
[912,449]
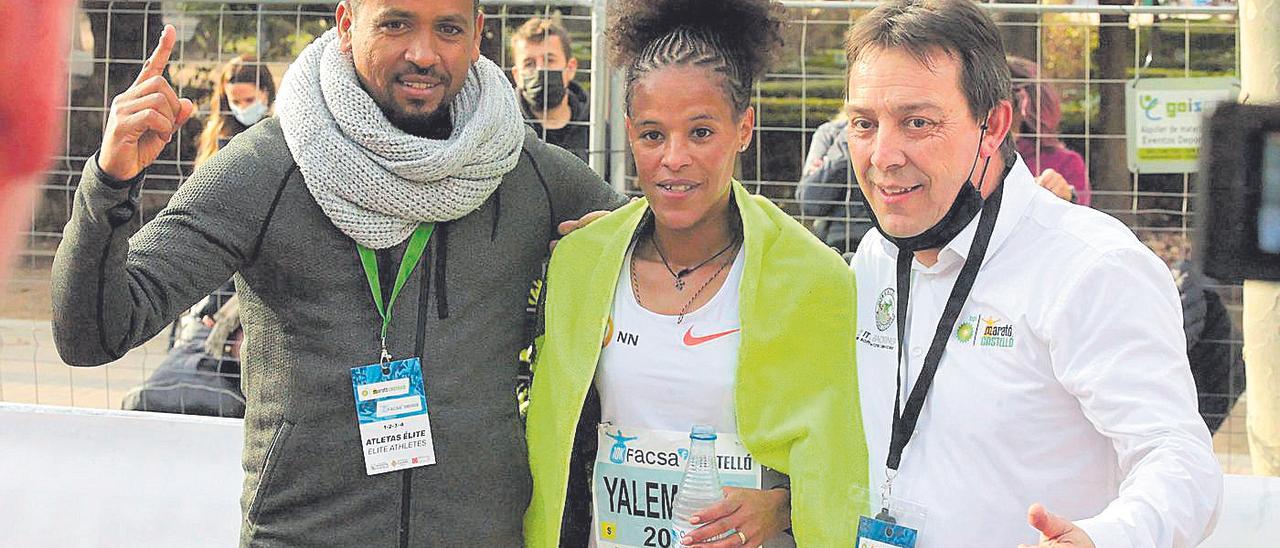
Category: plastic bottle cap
[702,432]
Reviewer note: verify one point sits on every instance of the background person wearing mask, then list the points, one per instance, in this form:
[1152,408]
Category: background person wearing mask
[1013,348]
[242,97]
[551,101]
[395,171]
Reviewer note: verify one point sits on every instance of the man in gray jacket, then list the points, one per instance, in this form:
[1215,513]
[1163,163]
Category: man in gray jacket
[391,122]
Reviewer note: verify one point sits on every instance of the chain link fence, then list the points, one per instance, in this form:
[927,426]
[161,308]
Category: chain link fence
[1085,53]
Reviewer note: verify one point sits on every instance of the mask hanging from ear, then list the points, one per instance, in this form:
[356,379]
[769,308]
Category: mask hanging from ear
[967,205]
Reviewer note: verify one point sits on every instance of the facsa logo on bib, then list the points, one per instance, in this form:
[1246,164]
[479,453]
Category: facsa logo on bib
[618,453]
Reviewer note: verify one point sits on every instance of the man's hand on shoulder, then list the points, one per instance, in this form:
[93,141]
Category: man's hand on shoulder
[568,227]
[1057,184]
[1055,532]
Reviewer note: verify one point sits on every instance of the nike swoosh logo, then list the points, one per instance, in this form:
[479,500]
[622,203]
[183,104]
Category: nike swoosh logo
[690,340]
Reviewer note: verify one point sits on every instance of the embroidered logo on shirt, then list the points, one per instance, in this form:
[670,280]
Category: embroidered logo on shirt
[691,340]
[882,342]
[885,308]
[988,331]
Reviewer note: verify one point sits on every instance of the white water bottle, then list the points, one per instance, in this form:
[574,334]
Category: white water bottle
[700,487]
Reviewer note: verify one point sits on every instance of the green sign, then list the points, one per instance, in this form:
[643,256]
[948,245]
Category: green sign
[1164,116]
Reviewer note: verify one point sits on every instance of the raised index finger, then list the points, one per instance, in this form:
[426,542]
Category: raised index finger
[155,64]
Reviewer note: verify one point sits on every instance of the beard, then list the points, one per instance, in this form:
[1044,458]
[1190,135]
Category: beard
[437,124]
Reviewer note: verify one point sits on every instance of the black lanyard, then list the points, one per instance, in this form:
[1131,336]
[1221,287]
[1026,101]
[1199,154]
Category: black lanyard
[904,420]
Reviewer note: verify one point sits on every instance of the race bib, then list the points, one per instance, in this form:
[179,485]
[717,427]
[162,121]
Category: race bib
[637,475]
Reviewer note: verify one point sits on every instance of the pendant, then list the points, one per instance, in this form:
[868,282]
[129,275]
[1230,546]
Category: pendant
[679,284]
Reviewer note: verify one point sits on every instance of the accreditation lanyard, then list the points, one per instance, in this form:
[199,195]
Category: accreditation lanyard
[412,256]
[904,420]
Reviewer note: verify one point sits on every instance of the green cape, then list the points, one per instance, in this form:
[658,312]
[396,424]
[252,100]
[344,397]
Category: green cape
[796,391]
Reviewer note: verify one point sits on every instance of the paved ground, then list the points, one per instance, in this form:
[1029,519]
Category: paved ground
[31,372]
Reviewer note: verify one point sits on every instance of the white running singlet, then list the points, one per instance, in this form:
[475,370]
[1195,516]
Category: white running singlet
[659,375]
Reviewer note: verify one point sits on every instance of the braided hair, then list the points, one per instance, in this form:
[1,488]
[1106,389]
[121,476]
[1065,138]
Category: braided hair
[735,38]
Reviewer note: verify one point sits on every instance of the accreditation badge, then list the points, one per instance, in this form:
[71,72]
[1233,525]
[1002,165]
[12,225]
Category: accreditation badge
[637,474]
[897,524]
[391,406]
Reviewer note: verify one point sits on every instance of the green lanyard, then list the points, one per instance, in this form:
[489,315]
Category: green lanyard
[412,255]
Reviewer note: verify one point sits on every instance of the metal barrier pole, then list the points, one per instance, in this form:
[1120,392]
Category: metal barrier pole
[1260,79]
[618,132]
[600,79]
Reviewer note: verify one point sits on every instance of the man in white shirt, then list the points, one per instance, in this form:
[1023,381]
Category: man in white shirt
[1051,336]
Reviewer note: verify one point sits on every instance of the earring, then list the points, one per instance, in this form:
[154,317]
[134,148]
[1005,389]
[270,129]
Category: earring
[743,148]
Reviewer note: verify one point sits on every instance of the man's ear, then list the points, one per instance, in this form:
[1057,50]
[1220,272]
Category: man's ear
[570,70]
[475,47]
[345,18]
[999,122]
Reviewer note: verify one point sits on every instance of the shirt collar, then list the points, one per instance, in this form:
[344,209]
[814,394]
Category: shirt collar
[1019,188]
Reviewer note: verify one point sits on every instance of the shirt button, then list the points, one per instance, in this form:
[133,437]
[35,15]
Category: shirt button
[917,351]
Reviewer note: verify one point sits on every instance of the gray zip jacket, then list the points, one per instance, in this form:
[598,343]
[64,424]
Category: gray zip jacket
[309,318]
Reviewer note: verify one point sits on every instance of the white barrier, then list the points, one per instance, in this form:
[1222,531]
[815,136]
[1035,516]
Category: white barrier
[86,477]
[73,477]
[1250,514]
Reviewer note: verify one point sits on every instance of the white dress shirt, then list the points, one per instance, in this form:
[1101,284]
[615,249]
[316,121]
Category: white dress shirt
[1065,382]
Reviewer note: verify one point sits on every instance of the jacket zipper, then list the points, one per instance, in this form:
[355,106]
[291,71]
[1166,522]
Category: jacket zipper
[420,341]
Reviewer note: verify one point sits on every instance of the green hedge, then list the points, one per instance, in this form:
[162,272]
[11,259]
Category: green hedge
[791,111]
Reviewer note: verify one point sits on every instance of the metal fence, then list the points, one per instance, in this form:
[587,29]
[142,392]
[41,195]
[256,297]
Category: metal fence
[1086,52]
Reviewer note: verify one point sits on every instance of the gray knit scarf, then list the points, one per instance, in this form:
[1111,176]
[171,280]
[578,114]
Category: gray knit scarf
[376,182]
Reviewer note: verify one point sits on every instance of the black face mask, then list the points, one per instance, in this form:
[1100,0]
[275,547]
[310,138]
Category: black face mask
[543,89]
[966,206]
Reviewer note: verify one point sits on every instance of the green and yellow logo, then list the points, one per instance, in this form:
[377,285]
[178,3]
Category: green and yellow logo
[964,333]
[985,331]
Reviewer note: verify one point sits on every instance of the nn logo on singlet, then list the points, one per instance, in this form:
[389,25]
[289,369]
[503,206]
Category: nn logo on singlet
[631,339]
[988,331]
